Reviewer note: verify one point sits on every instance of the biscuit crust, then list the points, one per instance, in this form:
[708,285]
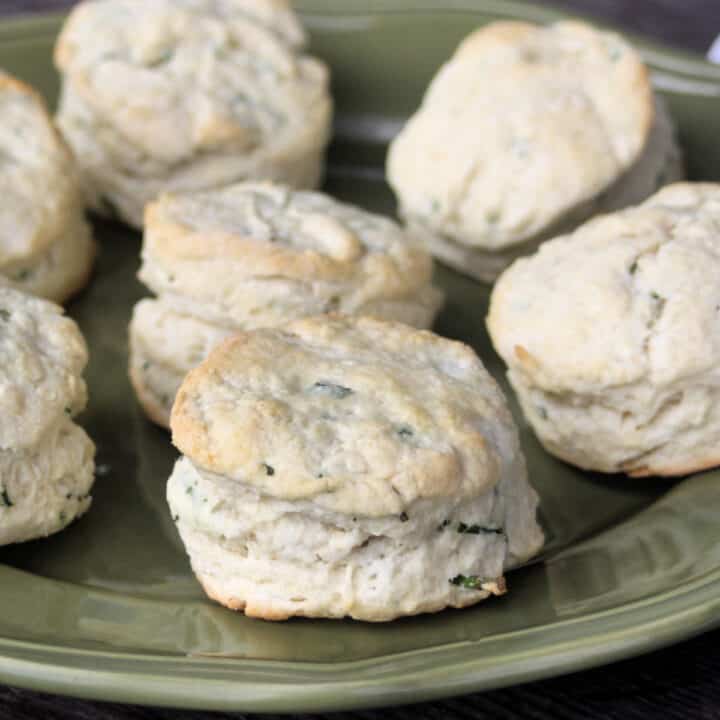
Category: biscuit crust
[46,460]
[611,336]
[229,423]
[519,136]
[259,255]
[178,96]
[348,467]
[46,246]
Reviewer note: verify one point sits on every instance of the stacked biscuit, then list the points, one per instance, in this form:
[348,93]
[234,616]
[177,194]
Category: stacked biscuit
[612,337]
[46,460]
[174,95]
[258,255]
[525,133]
[348,466]
[46,247]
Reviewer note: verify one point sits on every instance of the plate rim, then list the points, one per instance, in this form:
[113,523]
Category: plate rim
[276,686]
[233,684]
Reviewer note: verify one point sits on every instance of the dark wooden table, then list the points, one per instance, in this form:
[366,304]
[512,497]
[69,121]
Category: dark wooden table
[680,682]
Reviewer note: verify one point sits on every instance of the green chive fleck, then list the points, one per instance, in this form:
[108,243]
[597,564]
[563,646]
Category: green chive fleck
[161,60]
[476,529]
[336,391]
[405,432]
[469,582]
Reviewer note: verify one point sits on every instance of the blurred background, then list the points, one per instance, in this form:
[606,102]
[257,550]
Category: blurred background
[692,24]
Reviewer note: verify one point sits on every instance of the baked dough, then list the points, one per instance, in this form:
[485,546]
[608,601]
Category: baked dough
[179,95]
[612,337]
[258,255]
[346,466]
[46,460]
[46,247]
[524,134]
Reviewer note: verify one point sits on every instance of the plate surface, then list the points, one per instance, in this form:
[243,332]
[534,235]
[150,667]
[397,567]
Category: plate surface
[109,608]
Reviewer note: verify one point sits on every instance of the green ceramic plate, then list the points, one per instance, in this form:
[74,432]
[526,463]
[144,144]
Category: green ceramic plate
[108,609]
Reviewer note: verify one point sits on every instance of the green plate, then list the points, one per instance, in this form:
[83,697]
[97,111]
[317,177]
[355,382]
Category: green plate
[109,609]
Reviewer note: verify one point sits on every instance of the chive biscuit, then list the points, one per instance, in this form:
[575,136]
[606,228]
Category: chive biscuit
[612,337]
[46,247]
[177,95]
[46,460]
[525,133]
[348,466]
[255,255]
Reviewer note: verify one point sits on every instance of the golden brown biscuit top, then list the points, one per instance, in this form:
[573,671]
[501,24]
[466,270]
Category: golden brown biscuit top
[361,416]
[520,127]
[196,244]
[628,297]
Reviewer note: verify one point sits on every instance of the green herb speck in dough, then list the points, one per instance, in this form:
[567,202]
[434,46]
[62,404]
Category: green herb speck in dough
[269,469]
[470,582]
[327,388]
[477,529]
[492,216]
[161,59]
[5,314]
[5,498]
[405,432]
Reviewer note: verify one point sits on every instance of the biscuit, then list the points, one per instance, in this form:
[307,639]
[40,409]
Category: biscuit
[46,460]
[46,247]
[524,134]
[257,255]
[346,466]
[181,95]
[612,339]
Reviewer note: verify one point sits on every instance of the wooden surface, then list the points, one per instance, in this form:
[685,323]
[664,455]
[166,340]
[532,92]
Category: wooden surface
[682,682]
